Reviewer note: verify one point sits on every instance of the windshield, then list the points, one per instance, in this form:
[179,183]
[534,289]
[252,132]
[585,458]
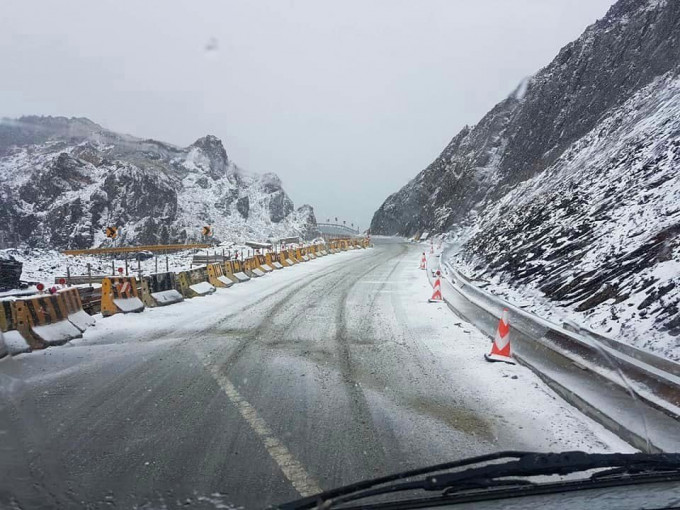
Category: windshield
[255,252]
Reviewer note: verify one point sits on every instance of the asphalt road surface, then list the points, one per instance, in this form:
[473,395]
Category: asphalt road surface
[316,381]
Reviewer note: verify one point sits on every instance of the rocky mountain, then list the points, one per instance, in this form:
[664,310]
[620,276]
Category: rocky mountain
[569,190]
[62,181]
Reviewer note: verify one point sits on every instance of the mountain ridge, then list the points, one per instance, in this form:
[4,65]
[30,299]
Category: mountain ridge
[563,101]
[63,180]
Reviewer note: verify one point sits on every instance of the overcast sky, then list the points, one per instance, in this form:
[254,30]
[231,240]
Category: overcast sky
[345,100]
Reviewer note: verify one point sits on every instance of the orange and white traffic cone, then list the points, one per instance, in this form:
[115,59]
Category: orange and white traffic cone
[423,261]
[437,290]
[500,350]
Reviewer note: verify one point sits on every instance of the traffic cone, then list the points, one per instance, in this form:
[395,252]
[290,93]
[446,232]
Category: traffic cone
[500,350]
[437,290]
[423,261]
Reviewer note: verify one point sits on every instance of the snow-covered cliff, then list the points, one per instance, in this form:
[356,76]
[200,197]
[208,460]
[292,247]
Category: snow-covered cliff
[62,181]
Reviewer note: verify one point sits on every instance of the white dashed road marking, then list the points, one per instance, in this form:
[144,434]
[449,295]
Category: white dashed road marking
[292,469]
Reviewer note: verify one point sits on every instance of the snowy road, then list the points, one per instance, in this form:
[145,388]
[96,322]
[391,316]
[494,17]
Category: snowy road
[319,375]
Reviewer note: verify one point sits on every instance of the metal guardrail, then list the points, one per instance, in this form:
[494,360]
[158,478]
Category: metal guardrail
[132,249]
[198,260]
[82,279]
[647,357]
[596,376]
[659,375]
[337,227]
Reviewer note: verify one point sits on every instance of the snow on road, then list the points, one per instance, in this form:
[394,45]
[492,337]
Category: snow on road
[516,405]
[338,367]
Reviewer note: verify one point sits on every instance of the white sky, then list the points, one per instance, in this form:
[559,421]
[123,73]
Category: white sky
[345,100]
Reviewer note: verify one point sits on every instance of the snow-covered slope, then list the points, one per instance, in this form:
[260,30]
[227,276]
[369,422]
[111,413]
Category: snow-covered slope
[62,181]
[597,232]
[567,194]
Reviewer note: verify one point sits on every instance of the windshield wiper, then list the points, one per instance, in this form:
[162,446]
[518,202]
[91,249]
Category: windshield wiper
[524,464]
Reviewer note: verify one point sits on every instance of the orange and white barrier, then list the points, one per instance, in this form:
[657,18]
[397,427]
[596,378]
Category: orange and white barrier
[500,350]
[437,290]
[423,261]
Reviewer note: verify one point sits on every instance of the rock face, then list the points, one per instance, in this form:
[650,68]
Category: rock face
[636,42]
[62,181]
[569,189]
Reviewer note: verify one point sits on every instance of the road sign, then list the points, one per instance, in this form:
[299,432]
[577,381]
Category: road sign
[207,230]
[111,232]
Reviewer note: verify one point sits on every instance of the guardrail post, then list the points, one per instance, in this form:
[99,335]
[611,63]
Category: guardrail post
[89,274]
[167,265]
[156,261]
[126,264]
[68,276]
[113,266]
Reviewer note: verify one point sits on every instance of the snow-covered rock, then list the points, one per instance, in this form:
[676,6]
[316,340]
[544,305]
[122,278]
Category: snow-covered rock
[62,181]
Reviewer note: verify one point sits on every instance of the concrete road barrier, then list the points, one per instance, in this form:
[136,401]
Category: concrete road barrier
[7,315]
[242,277]
[217,277]
[285,259]
[270,258]
[229,272]
[247,268]
[194,282]
[120,295]
[160,289]
[239,273]
[14,341]
[43,321]
[74,307]
[257,272]
[262,264]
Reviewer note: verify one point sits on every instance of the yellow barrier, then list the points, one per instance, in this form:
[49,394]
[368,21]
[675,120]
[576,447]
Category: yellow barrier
[8,320]
[120,295]
[216,276]
[232,270]
[283,259]
[251,268]
[270,258]
[262,264]
[74,308]
[43,321]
